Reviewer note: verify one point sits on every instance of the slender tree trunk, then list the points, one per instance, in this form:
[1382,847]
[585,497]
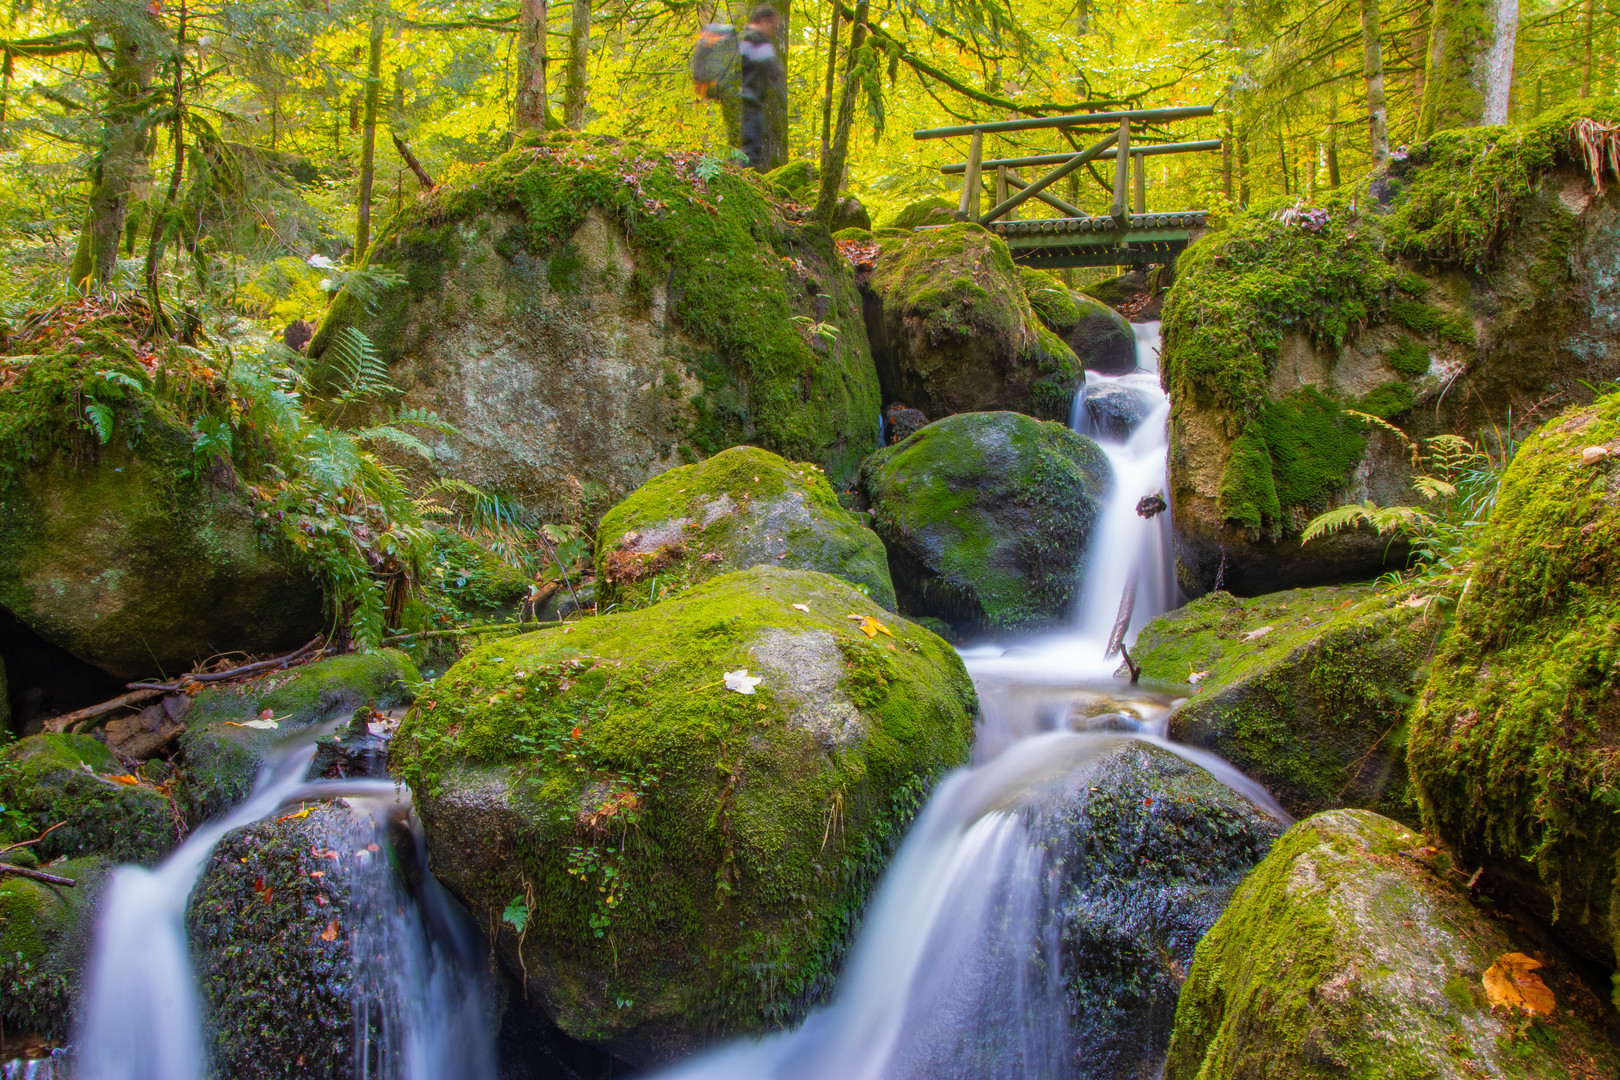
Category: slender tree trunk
[776,106]
[161,220]
[532,110]
[368,138]
[1372,64]
[832,173]
[579,59]
[1282,156]
[1586,63]
[121,154]
[1226,152]
[1243,168]
[5,89]
[832,73]
[1454,79]
[1499,62]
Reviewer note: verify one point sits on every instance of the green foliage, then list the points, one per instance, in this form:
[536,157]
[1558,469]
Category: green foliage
[1248,491]
[1314,445]
[1409,357]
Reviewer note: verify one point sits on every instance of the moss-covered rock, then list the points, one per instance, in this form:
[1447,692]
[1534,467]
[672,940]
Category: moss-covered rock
[1351,951]
[584,333]
[933,210]
[44,944]
[1465,284]
[272,923]
[133,559]
[952,330]
[1154,847]
[986,517]
[1101,337]
[686,850]
[72,781]
[1514,739]
[221,758]
[743,507]
[1305,691]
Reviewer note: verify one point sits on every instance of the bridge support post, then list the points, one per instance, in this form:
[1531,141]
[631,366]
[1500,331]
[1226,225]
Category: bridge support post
[1120,210]
[1141,182]
[969,210]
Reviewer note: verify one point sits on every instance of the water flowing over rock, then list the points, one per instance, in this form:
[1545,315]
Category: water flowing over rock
[1475,289]
[584,334]
[1353,951]
[1305,691]
[743,507]
[952,330]
[986,517]
[1513,738]
[653,807]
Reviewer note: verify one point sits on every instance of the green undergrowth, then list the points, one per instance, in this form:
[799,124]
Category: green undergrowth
[681,853]
[1514,739]
[745,281]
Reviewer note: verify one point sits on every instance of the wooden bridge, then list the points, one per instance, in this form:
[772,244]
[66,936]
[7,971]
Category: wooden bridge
[1126,235]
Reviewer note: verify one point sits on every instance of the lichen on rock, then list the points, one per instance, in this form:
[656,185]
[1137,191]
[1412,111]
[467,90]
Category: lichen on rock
[676,799]
[579,329]
[1353,951]
[743,507]
[1513,739]
[986,517]
[1306,691]
[953,330]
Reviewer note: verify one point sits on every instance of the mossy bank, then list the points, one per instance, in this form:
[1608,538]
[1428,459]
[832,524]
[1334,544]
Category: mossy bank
[672,816]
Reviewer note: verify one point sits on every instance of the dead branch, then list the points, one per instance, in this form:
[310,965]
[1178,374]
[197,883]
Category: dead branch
[59,724]
[36,875]
[422,176]
[233,673]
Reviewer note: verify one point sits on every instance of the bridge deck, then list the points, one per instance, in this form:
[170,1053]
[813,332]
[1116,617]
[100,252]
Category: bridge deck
[1056,243]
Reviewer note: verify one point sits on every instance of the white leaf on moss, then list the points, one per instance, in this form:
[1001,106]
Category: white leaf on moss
[741,681]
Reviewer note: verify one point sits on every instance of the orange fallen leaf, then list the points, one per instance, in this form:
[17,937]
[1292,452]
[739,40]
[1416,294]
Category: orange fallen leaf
[304,813]
[872,628]
[126,779]
[330,933]
[1513,983]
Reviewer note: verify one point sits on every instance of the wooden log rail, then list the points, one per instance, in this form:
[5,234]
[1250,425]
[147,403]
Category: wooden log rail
[1012,192]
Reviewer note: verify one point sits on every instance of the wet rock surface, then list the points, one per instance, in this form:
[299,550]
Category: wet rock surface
[97,807]
[986,518]
[1115,411]
[45,935]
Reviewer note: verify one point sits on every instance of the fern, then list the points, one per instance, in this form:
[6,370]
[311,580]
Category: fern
[358,373]
[101,419]
[395,437]
[1383,519]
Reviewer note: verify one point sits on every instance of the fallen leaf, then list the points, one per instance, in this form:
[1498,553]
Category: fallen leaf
[1594,454]
[741,681]
[256,725]
[126,779]
[803,607]
[1512,982]
[304,813]
[1197,677]
[1260,633]
[330,933]
[870,626]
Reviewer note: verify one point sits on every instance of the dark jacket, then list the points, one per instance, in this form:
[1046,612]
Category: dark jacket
[762,74]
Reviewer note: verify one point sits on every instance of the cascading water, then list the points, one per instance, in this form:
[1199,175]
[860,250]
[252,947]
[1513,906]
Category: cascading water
[958,968]
[419,1011]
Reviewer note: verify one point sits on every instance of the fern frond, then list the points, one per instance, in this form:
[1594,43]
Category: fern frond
[360,374]
[423,418]
[1340,517]
[394,436]
[1380,422]
[1432,487]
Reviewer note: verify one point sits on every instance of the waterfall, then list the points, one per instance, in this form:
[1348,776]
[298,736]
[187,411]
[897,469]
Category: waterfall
[419,1014]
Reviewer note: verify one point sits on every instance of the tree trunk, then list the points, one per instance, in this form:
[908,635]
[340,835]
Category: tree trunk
[1226,153]
[161,220]
[1499,62]
[579,57]
[532,110]
[776,107]
[1454,79]
[1586,64]
[1243,168]
[1372,61]
[121,154]
[832,73]
[368,138]
[1282,156]
[832,171]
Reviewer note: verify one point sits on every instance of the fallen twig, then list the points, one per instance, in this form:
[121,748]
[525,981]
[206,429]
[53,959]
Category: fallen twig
[465,631]
[35,840]
[59,724]
[233,673]
[37,875]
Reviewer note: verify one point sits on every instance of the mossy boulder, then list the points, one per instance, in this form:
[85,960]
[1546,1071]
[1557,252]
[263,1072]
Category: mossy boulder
[986,517]
[136,561]
[45,935]
[1101,337]
[221,758]
[1513,740]
[1306,691]
[743,507]
[71,781]
[952,330]
[1469,283]
[584,333]
[273,924]
[664,831]
[1153,849]
[934,210]
[1353,951]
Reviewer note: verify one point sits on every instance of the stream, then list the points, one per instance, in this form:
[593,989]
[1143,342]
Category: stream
[957,968]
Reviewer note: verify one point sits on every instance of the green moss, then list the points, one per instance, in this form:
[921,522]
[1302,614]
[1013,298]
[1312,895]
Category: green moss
[1314,447]
[858,236]
[795,181]
[44,945]
[1248,491]
[1337,957]
[1513,740]
[1409,357]
[986,516]
[695,855]
[1426,320]
[959,281]
[735,274]
[1050,298]
[64,780]
[743,507]
[930,211]
[1390,399]
[1306,691]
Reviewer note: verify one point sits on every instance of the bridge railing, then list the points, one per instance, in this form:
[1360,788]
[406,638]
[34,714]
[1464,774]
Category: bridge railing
[1012,192]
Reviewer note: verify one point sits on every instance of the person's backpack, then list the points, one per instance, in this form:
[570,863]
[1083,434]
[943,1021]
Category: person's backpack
[715,66]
